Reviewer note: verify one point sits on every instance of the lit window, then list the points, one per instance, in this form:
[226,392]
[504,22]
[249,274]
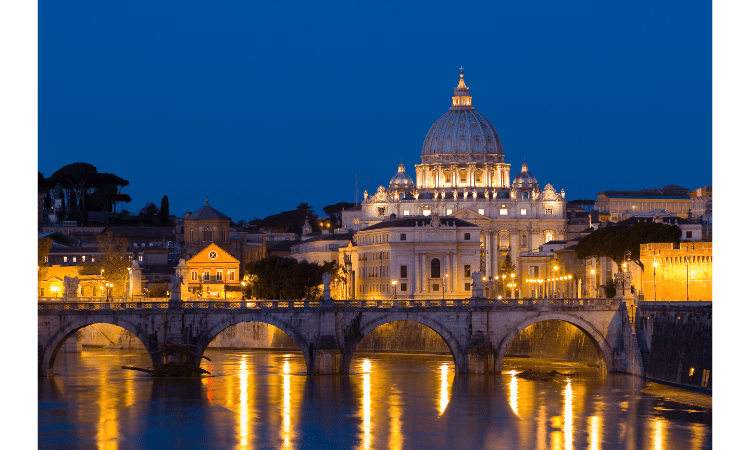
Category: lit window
[523,211]
[231,275]
[503,211]
[92,259]
[83,258]
[194,275]
[218,275]
[481,211]
[74,259]
[140,258]
[448,211]
[206,276]
[406,212]
[548,210]
[426,212]
[65,259]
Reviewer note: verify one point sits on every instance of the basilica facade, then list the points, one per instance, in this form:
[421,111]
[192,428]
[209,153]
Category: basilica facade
[463,175]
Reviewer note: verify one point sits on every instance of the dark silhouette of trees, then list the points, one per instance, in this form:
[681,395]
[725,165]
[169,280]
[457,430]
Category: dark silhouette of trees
[162,217]
[114,260]
[334,212]
[289,221]
[614,241]
[77,177]
[275,278]
[148,213]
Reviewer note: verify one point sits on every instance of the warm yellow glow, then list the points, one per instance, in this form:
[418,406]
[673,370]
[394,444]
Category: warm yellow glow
[692,371]
[699,435]
[541,428]
[108,430]
[658,424]
[396,439]
[244,409]
[286,431]
[594,437]
[394,282]
[593,271]
[513,275]
[366,366]
[443,388]
[513,392]
[55,288]
[366,408]
[656,264]
[568,417]
[555,268]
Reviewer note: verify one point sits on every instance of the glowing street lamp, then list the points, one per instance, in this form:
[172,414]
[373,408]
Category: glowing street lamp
[393,283]
[243,288]
[656,264]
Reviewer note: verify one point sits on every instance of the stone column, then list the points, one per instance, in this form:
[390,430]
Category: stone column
[493,244]
[136,288]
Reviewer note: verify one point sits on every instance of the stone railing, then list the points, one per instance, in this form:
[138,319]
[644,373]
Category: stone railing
[120,305]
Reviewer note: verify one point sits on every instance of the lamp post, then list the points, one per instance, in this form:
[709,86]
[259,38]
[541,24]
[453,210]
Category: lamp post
[393,283]
[593,282]
[445,279]
[513,287]
[555,268]
[656,264]
[243,288]
[504,291]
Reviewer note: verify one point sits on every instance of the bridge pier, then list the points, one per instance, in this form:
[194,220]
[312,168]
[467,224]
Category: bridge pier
[326,362]
[481,360]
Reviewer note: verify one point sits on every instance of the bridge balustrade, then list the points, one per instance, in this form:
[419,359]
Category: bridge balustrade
[120,305]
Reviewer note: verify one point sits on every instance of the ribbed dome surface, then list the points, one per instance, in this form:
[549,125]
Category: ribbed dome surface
[401,180]
[525,179]
[462,131]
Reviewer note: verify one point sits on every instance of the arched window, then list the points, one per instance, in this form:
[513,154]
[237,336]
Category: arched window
[525,195]
[435,268]
[547,237]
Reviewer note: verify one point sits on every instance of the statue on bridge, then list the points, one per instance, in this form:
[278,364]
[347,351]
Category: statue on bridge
[477,285]
[176,287]
[326,286]
[70,288]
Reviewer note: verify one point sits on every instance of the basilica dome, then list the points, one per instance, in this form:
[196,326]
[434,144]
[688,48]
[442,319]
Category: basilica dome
[401,180]
[462,134]
[525,179]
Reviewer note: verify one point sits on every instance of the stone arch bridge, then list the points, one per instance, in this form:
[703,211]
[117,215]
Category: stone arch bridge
[477,331]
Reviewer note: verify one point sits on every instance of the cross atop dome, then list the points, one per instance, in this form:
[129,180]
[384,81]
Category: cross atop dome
[461,95]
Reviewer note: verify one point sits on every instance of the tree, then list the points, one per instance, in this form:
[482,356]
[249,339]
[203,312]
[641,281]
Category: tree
[76,176]
[162,217]
[614,241]
[289,221]
[148,213]
[286,279]
[583,203]
[43,247]
[114,261]
[334,211]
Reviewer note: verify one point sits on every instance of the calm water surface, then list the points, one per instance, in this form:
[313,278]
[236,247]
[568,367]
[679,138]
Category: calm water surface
[264,400]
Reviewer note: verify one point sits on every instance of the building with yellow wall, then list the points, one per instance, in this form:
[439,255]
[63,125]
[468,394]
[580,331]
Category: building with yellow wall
[213,273]
[682,272]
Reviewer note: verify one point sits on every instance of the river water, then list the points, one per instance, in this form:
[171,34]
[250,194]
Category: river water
[264,400]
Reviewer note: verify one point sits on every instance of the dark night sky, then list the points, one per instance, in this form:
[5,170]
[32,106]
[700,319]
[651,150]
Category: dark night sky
[264,105]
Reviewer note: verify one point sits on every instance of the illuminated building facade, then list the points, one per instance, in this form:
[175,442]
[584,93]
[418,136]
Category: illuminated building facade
[463,175]
[213,273]
[206,226]
[682,273]
[615,205]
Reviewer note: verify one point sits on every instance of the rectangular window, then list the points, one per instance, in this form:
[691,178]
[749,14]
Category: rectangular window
[207,235]
[219,275]
[688,235]
[403,287]
[65,259]
[223,235]
[425,212]
[548,211]
[191,235]
[403,272]
[467,236]
[435,287]
[448,212]
[83,258]
[194,275]
[42,293]
[406,212]
[74,259]
[46,259]
[503,211]
[481,211]
[206,275]
[140,258]
[403,236]
[467,270]
[231,275]
[523,211]
[467,286]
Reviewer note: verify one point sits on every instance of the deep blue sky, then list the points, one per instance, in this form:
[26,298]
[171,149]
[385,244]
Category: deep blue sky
[264,105]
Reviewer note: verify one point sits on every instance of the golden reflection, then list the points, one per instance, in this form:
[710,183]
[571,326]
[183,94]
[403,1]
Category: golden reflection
[514,392]
[107,430]
[568,417]
[699,434]
[366,367]
[396,439]
[541,428]
[443,388]
[556,440]
[658,424]
[244,418]
[286,430]
[594,437]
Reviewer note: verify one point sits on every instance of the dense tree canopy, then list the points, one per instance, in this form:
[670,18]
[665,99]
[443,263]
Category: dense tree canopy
[286,279]
[334,212]
[162,216]
[289,221]
[614,241]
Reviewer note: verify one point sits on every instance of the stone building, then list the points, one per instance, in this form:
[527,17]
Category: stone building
[203,227]
[320,249]
[615,205]
[463,174]
[426,257]
[682,273]
[213,273]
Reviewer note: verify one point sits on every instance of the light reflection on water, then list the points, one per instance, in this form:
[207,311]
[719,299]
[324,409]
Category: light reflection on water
[264,399]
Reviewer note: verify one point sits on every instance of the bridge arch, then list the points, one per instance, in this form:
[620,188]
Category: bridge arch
[596,337]
[459,357]
[49,347]
[289,329]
